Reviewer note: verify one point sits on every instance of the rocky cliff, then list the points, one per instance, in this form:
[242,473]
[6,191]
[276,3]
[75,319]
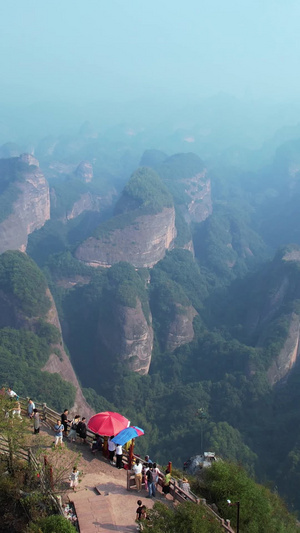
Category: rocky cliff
[84,171]
[142,230]
[186,177]
[30,207]
[198,188]
[128,335]
[26,304]
[143,242]
[62,365]
[287,357]
[86,202]
[181,329]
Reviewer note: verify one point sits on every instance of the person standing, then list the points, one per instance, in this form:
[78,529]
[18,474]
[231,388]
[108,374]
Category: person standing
[72,432]
[58,428]
[119,455]
[74,479]
[17,410]
[137,470]
[111,449]
[167,481]
[138,513]
[156,473]
[30,407]
[36,421]
[81,429]
[64,421]
[151,482]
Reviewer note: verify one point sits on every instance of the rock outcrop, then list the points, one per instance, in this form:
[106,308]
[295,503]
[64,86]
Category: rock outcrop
[31,208]
[130,336]
[287,357]
[198,188]
[181,329]
[86,202]
[143,242]
[142,230]
[84,171]
[186,177]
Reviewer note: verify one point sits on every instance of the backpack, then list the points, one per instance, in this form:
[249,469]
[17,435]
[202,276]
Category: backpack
[150,476]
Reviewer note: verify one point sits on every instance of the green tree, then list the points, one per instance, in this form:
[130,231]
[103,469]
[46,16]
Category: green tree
[51,524]
[186,517]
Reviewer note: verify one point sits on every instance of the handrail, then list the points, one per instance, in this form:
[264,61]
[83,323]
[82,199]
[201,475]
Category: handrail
[26,454]
[49,415]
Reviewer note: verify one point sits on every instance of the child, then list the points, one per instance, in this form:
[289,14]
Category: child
[144,517]
[74,479]
[138,511]
[141,515]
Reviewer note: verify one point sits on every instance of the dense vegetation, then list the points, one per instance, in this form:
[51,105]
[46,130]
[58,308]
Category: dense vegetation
[65,193]
[21,279]
[26,338]
[146,189]
[177,168]
[22,356]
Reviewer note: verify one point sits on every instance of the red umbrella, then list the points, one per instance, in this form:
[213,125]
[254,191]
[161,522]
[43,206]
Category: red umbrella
[108,423]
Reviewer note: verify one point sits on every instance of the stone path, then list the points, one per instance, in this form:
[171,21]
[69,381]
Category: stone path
[112,510]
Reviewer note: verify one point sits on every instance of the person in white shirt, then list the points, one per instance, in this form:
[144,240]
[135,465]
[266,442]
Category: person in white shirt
[137,470]
[30,407]
[11,393]
[111,449]
[119,455]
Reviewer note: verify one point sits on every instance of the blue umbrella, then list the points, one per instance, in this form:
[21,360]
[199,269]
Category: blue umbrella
[127,434]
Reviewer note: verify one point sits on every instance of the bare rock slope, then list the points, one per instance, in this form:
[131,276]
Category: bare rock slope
[31,207]
[141,231]
[129,335]
[62,365]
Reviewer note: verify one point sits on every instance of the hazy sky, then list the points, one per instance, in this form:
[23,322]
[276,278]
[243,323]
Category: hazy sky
[85,50]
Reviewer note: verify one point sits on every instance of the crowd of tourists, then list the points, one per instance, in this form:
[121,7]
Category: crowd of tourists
[70,429]
[146,472]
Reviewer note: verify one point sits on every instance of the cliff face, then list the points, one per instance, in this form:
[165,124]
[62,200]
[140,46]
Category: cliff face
[198,188]
[186,177]
[129,336]
[288,355]
[181,329]
[142,243]
[86,203]
[84,171]
[62,365]
[30,210]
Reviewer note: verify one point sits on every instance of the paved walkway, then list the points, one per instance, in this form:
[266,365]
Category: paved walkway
[114,509]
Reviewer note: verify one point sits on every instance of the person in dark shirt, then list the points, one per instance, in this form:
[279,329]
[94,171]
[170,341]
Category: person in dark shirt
[65,421]
[81,429]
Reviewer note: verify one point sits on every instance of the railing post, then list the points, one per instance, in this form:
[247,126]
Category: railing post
[170,466]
